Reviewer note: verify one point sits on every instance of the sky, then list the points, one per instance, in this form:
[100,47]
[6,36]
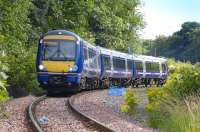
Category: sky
[163,17]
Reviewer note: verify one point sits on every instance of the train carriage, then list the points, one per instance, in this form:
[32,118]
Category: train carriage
[66,61]
[91,66]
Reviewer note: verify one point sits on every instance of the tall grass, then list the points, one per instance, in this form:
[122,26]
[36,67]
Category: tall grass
[175,115]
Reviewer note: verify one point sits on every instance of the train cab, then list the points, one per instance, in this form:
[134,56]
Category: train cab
[59,59]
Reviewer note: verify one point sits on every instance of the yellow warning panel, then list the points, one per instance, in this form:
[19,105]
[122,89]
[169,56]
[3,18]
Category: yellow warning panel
[58,66]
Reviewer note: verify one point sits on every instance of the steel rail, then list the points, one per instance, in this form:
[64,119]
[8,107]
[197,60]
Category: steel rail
[100,126]
[31,113]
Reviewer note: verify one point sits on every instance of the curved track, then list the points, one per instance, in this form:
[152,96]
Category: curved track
[85,118]
[96,124]
[31,114]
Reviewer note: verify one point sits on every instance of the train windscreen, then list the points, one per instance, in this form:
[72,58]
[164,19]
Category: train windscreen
[59,50]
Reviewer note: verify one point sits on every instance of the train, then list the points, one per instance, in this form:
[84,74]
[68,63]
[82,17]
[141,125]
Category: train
[66,61]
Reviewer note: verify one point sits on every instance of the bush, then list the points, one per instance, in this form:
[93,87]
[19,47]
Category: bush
[155,97]
[130,101]
[176,107]
[184,81]
[22,74]
[3,83]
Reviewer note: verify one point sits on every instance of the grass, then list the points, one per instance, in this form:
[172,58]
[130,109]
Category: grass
[175,115]
[138,112]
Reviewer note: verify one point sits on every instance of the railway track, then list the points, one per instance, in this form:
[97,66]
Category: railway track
[96,124]
[85,119]
[32,116]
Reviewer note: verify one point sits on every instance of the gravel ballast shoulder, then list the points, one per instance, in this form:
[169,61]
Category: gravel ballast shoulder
[17,118]
[106,109]
[60,117]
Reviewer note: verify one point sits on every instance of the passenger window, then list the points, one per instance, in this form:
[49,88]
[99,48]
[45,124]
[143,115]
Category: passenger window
[118,63]
[106,62]
[156,67]
[138,65]
[148,67]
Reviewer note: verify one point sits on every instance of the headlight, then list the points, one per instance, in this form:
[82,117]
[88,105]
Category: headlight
[41,67]
[74,68]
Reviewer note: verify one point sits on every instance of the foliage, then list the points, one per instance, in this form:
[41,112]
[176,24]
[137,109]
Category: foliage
[155,96]
[175,107]
[3,83]
[19,53]
[184,117]
[183,81]
[177,115]
[183,45]
[112,24]
[130,101]
[23,77]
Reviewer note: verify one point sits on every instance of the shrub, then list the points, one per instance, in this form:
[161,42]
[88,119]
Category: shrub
[184,81]
[171,108]
[22,74]
[155,97]
[130,101]
[3,77]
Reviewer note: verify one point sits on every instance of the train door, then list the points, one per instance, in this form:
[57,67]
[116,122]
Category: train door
[85,61]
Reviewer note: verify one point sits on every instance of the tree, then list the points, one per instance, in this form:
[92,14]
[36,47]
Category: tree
[115,23]
[112,24]
[182,45]
[15,33]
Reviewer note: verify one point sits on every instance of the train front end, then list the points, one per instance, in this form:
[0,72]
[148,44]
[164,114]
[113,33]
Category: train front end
[59,61]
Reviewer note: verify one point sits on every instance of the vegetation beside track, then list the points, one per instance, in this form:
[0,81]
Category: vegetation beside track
[176,106]
[173,107]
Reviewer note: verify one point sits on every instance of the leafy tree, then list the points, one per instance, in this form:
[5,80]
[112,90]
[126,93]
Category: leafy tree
[113,24]
[182,45]
[15,30]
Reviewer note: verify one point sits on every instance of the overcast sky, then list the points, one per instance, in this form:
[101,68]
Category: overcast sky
[163,17]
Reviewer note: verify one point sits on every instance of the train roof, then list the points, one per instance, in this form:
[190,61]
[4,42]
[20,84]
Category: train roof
[149,58]
[108,51]
[61,32]
[115,53]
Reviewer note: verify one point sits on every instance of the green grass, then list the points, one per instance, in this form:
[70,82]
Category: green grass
[175,115]
[138,112]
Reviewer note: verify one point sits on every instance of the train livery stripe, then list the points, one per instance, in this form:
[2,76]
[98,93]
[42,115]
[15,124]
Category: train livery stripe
[58,66]
[63,37]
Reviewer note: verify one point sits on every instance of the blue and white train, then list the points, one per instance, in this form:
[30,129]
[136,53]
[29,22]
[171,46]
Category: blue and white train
[66,61]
